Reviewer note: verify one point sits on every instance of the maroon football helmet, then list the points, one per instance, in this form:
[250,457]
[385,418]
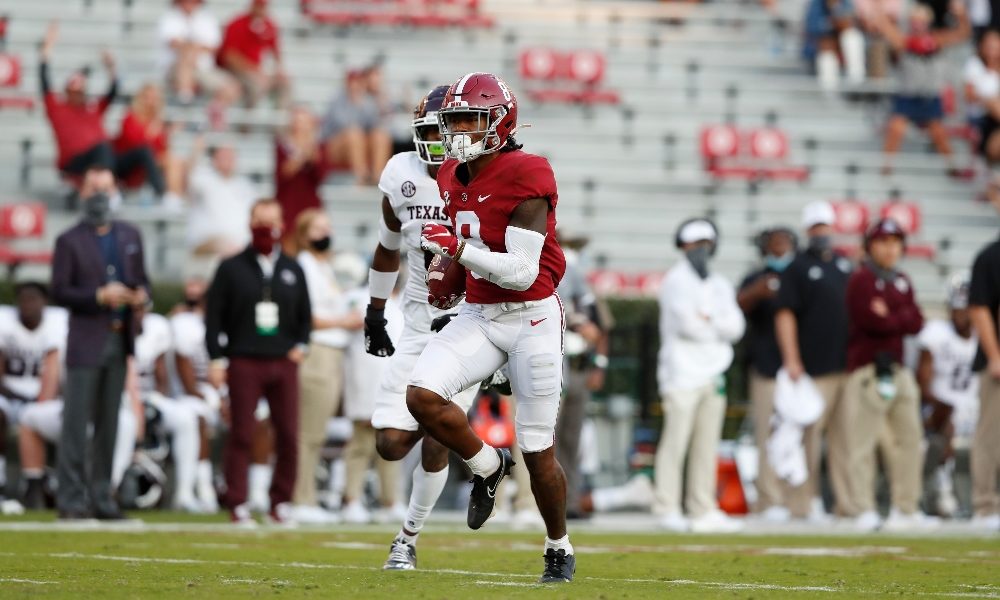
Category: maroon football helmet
[485,99]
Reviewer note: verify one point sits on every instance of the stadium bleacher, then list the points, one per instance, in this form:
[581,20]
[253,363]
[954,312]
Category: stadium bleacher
[628,173]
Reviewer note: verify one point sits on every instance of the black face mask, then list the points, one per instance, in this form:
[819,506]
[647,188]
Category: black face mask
[322,244]
[97,209]
[191,302]
[821,243]
[698,257]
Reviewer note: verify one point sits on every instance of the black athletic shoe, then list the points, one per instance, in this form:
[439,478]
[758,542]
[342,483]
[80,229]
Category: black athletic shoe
[484,491]
[34,494]
[402,556]
[559,567]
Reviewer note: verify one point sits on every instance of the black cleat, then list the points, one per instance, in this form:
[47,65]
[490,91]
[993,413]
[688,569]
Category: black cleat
[559,567]
[484,491]
[402,556]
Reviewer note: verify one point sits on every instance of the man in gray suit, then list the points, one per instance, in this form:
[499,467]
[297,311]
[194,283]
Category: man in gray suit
[98,273]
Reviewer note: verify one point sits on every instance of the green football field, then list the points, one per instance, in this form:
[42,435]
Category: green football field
[173,556]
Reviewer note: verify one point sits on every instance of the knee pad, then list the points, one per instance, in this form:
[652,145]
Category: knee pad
[545,375]
[538,403]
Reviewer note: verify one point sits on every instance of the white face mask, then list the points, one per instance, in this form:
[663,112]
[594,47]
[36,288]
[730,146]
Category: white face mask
[463,149]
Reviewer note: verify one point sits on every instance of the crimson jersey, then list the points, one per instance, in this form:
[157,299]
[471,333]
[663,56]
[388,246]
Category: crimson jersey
[481,213]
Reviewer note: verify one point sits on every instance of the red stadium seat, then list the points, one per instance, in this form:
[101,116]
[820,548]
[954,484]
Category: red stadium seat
[568,77]
[910,218]
[852,217]
[730,153]
[392,13]
[21,221]
[10,83]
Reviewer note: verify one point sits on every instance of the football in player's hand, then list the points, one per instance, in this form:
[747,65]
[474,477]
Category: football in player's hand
[445,282]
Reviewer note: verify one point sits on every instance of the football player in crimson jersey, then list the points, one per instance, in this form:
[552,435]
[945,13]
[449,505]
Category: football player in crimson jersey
[410,199]
[502,202]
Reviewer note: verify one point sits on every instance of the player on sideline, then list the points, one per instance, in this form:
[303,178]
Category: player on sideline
[502,202]
[410,200]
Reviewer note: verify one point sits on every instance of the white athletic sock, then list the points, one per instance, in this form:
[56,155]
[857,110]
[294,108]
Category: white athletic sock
[124,445]
[485,462]
[186,444]
[427,488]
[259,481]
[32,473]
[560,544]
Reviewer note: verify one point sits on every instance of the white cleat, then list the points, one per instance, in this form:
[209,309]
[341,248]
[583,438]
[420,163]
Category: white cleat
[985,523]
[356,514]
[675,522]
[775,514]
[527,519]
[916,521]
[716,521]
[402,556]
[867,521]
[313,515]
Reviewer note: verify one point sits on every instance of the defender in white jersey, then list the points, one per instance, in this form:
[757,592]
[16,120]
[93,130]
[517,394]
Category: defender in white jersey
[180,421]
[201,395]
[410,200]
[950,392]
[30,343]
[36,335]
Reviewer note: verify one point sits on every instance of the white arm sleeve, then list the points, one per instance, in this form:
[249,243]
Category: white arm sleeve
[389,239]
[515,269]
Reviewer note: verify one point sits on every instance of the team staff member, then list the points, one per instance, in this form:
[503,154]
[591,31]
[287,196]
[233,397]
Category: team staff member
[758,299]
[984,300]
[811,327]
[259,300]
[98,273]
[699,322]
[882,310]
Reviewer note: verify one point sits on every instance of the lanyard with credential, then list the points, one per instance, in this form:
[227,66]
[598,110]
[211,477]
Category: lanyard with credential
[266,311]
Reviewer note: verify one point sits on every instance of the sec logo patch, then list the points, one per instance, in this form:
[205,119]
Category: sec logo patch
[408,189]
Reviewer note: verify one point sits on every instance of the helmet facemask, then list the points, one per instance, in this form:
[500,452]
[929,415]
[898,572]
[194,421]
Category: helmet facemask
[430,152]
[459,144]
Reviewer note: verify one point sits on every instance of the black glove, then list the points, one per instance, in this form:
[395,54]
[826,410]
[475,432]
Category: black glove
[499,382]
[377,342]
[439,323]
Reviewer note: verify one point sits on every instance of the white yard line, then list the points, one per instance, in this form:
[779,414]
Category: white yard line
[18,580]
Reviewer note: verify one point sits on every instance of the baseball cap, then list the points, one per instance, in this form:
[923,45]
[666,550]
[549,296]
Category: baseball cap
[818,213]
[696,231]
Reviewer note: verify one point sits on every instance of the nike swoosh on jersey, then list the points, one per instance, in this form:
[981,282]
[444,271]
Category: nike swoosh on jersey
[533,323]
[484,198]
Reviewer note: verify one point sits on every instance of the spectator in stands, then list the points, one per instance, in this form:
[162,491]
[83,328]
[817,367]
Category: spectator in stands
[259,300]
[984,303]
[30,355]
[301,165]
[190,37]
[922,75]
[949,396]
[99,274]
[246,40]
[757,298]
[699,322]
[586,349]
[218,225]
[831,32]
[78,127]
[354,133]
[982,94]
[879,53]
[811,328]
[882,310]
[321,376]
[142,126]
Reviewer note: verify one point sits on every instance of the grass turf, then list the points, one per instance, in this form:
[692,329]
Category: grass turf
[213,561]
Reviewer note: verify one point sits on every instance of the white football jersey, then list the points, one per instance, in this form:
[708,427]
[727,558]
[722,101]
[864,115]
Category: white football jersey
[188,330]
[24,349]
[415,200]
[152,343]
[954,382]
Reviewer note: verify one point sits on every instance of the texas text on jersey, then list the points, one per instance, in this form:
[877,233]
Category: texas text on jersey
[481,211]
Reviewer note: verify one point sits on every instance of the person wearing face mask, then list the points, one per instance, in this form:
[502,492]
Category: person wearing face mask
[757,298]
[885,396]
[699,322]
[99,274]
[811,328]
[259,301]
[321,377]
